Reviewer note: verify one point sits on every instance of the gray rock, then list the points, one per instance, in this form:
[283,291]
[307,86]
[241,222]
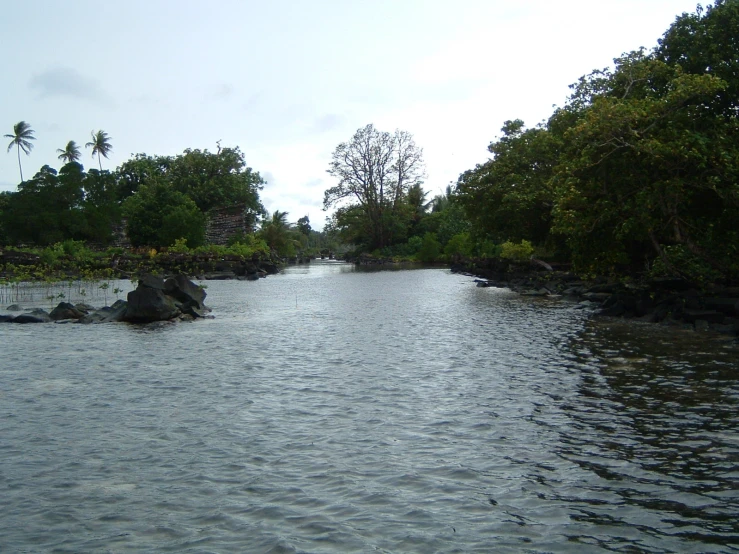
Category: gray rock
[151,281]
[147,304]
[701,325]
[727,306]
[14,308]
[39,317]
[184,290]
[597,296]
[116,312]
[710,316]
[6,318]
[65,310]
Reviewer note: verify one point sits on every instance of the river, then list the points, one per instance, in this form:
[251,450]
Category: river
[328,409]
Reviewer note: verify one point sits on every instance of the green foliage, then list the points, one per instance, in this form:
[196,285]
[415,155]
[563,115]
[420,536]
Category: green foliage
[459,245]
[676,260]
[159,215]
[21,140]
[642,160]
[100,145]
[379,195]
[430,249]
[516,252]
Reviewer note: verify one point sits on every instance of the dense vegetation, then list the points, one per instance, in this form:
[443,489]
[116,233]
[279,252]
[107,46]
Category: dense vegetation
[164,201]
[638,171]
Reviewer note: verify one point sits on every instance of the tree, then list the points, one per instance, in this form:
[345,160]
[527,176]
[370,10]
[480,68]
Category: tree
[510,195]
[304,225]
[70,153]
[158,215]
[376,170]
[216,180]
[100,145]
[21,139]
[278,234]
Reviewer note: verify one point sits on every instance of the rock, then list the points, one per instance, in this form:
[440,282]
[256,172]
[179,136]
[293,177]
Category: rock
[184,290]
[539,292]
[271,269]
[6,318]
[669,283]
[597,296]
[14,308]
[701,325]
[36,316]
[151,281]
[709,316]
[221,276]
[65,310]
[84,308]
[609,288]
[723,329]
[147,304]
[727,306]
[116,312]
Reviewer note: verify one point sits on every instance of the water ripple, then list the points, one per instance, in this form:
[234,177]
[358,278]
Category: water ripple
[333,410]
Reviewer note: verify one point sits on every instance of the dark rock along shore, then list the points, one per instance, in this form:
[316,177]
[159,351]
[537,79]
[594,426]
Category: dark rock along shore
[667,301]
[154,299]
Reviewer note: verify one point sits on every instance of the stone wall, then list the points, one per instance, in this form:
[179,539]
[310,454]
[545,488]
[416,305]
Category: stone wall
[120,235]
[224,223]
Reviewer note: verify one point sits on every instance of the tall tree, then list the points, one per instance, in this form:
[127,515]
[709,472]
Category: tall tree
[100,145]
[21,139]
[375,170]
[70,153]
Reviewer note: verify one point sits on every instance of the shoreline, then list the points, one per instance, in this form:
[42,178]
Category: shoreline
[668,302]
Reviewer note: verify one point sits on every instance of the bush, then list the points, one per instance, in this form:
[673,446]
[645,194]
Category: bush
[459,245]
[516,252]
[430,248]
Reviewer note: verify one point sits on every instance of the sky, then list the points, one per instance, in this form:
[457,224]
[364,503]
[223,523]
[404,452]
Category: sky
[289,80]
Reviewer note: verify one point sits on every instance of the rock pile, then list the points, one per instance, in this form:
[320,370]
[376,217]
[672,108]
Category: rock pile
[666,301]
[153,300]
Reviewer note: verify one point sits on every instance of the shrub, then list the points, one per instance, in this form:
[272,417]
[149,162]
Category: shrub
[516,252]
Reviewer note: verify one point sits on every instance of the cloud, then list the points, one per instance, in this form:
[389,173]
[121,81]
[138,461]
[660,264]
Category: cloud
[223,91]
[313,183]
[327,122]
[67,82]
[268,176]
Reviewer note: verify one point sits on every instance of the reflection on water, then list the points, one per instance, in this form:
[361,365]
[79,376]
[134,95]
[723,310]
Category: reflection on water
[334,410]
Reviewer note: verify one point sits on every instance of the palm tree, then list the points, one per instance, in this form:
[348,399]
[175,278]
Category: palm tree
[100,145]
[70,153]
[21,139]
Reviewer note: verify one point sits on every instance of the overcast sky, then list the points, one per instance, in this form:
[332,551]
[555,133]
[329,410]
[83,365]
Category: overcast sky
[289,80]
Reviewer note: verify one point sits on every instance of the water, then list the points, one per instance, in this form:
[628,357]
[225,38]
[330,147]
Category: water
[332,410]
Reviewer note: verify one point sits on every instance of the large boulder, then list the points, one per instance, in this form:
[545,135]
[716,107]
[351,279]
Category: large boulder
[147,304]
[185,292]
[65,310]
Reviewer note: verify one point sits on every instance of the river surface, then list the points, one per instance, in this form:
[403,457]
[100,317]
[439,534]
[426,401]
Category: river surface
[328,409]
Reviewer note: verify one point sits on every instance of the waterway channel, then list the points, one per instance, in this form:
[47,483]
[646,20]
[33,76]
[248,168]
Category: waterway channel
[330,409]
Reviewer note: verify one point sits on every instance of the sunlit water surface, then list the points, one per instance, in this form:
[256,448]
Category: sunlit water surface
[332,410]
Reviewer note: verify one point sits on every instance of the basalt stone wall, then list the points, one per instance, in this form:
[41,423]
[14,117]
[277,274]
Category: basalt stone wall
[120,236]
[224,223]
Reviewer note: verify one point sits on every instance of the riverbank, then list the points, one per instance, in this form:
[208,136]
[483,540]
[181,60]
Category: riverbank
[22,265]
[670,302]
